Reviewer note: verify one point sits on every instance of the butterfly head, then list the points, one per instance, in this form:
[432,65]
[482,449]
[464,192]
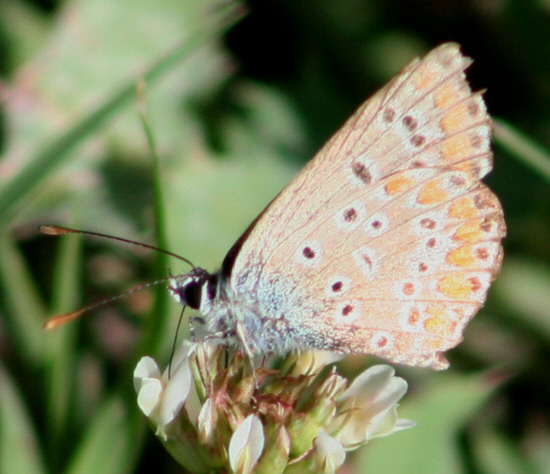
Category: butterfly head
[196,289]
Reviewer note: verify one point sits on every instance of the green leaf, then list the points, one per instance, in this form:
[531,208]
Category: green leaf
[523,289]
[498,455]
[61,357]
[26,313]
[524,148]
[37,169]
[19,445]
[441,411]
[105,448]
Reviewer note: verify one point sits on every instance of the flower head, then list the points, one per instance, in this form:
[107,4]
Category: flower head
[250,420]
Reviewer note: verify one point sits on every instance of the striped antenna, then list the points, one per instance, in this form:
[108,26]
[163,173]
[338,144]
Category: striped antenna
[57,230]
[57,321]
[54,230]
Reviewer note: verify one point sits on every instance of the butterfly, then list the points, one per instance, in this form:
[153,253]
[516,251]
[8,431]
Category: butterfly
[386,243]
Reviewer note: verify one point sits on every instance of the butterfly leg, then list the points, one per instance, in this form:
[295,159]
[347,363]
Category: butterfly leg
[243,337]
[192,321]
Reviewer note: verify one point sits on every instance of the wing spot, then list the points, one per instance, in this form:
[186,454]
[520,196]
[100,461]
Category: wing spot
[388,115]
[366,259]
[482,253]
[350,214]
[382,342]
[458,181]
[486,225]
[308,252]
[473,108]
[361,171]
[347,310]
[483,201]
[418,140]
[475,284]
[476,141]
[427,223]
[410,123]
[414,316]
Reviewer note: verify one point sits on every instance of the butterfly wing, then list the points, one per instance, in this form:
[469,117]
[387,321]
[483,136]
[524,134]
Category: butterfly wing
[387,241]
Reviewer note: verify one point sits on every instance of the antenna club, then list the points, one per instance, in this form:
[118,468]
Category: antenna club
[57,321]
[53,230]
[49,325]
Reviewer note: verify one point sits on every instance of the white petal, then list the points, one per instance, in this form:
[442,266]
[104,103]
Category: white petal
[388,397]
[330,452]
[205,421]
[246,445]
[382,424]
[368,384]
[373,399]
[354,431]
[175,393]
[388,423]
[312,362]
[182,354]
[146,367]
[404,424]
[149,395]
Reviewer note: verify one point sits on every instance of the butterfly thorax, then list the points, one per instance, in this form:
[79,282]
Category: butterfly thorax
[237,318]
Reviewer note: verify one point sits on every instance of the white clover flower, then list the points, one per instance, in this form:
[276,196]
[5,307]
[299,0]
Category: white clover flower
[369,407]
[246,445]
[161,397]
[248,420]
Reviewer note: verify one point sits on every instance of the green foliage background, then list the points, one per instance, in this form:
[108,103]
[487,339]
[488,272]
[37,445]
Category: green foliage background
[236,105]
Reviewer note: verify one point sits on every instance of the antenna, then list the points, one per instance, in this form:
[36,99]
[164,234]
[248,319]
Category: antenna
[54,230]
[57,230]
[57,321]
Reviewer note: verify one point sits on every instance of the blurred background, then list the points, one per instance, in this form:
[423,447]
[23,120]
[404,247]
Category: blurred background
[236,105]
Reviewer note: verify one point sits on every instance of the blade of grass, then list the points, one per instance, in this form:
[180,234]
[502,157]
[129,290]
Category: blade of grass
[62,342]
[19,446]
[523,289]
[155,327]
[525,149]
[16,192]
[105,448]
[25,310]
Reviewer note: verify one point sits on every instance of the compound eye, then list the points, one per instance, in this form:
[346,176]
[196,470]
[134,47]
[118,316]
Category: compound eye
[192,293]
